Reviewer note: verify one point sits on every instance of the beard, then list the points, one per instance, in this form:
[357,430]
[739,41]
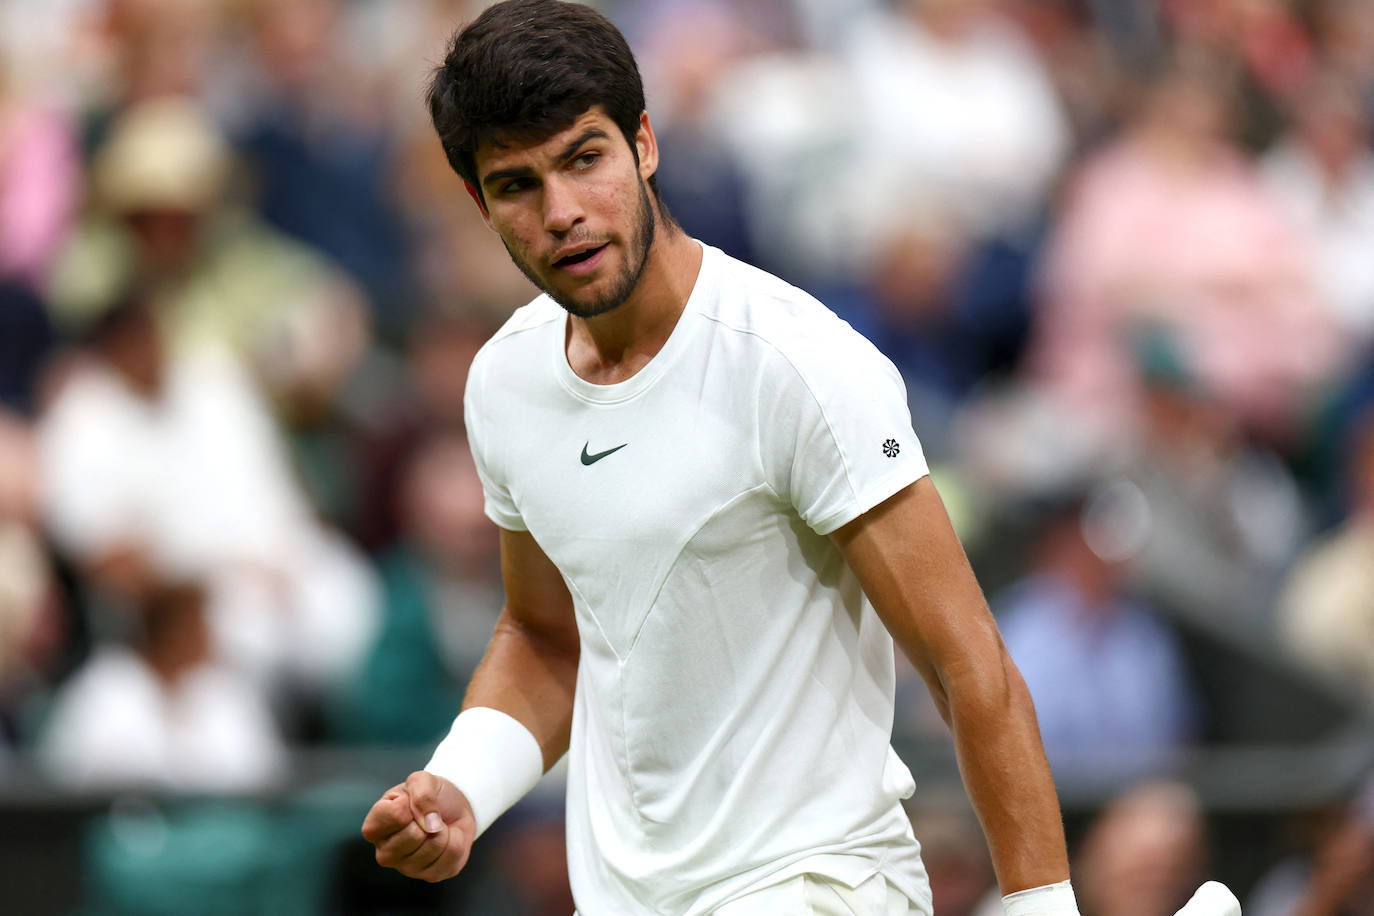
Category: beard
[641,240]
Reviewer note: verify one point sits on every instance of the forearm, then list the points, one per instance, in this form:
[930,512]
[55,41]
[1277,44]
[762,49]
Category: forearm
[913,569]
[531,676]
[1003,766]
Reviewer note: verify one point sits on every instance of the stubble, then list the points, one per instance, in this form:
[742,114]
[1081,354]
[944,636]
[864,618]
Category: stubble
[641,240]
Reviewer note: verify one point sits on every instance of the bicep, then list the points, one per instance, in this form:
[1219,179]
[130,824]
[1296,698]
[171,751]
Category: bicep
[537,598]
[912,567]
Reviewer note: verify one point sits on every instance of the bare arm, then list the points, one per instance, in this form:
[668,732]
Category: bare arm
[529,670]
[425,826]
[913,569]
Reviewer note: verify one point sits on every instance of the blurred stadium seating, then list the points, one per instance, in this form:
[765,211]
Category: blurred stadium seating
[1119,250]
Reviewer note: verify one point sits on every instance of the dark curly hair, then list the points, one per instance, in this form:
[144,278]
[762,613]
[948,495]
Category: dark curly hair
[524,70]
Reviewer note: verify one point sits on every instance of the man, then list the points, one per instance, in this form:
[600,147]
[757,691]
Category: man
[707,484]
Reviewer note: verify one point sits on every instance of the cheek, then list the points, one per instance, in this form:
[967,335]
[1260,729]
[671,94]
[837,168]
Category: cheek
[519,231]
[620,205]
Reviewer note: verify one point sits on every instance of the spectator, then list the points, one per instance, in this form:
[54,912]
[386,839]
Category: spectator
[1326,607]
[39,185]
[217,276]
[1335,879]
[162,715]
[1261,41]
[457,263]
[956,859]
[1344,34]
[1144,855]
[443,596]
[957,114]
[949,315]
[529,874]
[1171,226]
[163,466]
[1225,516]
[318,138]
[426,402]
[1322,171]
[252,336]
[698,178]
[27,340]
[1111,688]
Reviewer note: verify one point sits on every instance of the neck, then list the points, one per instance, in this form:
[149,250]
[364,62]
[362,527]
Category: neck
[612,347]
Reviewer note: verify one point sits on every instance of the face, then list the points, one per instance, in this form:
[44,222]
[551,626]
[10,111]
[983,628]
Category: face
[573,210]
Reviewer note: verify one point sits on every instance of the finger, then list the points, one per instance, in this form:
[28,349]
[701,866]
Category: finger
[389,815]
[452,858]
[428,855]
[431,795]
[397,850]
[422,861]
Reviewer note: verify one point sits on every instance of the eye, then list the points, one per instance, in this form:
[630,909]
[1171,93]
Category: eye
[514,186]
[586,160]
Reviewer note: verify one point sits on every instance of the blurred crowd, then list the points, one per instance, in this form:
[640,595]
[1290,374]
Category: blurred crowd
[1122,252]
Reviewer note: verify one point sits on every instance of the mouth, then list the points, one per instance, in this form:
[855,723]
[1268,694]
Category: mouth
[581,261]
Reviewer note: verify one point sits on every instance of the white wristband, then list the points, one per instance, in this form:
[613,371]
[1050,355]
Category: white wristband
[1048,900]
[491,758]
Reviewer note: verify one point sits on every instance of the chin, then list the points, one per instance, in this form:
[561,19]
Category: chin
[588,307]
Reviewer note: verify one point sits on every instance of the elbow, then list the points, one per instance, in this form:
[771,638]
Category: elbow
[989,688]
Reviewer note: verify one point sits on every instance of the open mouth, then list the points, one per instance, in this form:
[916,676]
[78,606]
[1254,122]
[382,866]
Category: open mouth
[579,257]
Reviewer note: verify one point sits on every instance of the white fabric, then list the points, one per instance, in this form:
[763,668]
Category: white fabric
[1337,221]
[116,724]
[194,477]
[813,895]
[735,693]
[199,481]
[969,127]
[491,758]
[1212,899]
[1049,900]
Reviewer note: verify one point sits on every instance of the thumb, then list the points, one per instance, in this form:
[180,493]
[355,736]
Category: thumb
[434,801]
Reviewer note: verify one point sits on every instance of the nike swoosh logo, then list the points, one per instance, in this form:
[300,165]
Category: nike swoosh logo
[593,459]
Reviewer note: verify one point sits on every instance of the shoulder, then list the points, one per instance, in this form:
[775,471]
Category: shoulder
[517,339]
[786,322]
[538,313]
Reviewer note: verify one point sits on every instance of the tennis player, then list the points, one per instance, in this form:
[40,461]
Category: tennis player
[715,519]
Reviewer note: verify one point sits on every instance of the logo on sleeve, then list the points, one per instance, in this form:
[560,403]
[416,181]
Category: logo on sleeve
[593,459]
[891,449]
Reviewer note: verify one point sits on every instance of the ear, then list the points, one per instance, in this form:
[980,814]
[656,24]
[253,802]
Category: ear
[477,199]
[647,147]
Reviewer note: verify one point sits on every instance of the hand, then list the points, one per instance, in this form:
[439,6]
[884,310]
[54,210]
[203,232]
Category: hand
[423,828]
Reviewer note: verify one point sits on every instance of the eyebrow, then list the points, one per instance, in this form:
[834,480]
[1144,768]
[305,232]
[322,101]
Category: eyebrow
[564,154]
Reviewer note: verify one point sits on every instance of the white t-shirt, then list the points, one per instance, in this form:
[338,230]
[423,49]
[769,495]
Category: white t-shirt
[116,724]
[199,481]
[734,704]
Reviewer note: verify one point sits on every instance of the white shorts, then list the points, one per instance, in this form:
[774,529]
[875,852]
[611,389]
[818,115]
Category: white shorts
[814,895]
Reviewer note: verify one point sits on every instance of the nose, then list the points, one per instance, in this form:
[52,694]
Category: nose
[562,206]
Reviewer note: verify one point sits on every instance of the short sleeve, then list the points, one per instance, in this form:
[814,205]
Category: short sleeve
[498,504]
[837,438]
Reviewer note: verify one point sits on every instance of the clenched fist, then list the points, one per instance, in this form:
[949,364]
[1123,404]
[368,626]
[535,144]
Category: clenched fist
[423,828]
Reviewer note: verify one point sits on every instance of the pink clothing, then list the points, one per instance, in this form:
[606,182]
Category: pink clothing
[1205,253]
[40,176]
